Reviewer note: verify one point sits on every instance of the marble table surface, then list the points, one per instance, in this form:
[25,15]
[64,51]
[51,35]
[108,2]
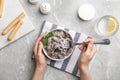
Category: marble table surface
[15,59]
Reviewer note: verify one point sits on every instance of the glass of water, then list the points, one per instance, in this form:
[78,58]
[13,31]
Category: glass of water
[107,26]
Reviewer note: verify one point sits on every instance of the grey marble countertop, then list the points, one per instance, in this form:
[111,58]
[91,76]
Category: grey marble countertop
[15,59]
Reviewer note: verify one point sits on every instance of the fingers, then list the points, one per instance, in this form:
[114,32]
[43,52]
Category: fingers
[88,40]
[37,43]
[89,48]
[80,47]
[93,51]
[36,46]
[41,36]
[40,49]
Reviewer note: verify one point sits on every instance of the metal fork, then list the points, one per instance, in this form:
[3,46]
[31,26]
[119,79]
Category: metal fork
[70,44]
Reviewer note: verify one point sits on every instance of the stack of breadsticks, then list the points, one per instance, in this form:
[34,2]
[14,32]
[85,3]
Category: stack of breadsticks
[14,24]
[1,7]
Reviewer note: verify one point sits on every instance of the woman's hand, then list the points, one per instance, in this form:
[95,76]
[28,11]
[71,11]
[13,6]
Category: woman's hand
[40,59]
[88,51]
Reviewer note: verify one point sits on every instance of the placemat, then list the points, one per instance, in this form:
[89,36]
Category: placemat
[12,8]
[70,64]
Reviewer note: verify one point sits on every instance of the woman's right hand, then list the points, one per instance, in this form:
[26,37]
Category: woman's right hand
[88,51]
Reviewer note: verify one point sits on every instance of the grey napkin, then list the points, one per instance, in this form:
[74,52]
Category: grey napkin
[70,64]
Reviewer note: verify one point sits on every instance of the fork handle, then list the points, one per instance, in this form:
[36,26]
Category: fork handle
[102,42]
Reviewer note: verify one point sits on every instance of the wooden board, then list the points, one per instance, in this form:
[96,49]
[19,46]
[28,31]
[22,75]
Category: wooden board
[12,8]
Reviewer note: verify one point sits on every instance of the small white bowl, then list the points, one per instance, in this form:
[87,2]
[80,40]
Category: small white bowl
[34,1]
[46,54]
[86,11]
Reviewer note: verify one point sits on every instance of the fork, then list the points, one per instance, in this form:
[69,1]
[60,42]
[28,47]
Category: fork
[70,44]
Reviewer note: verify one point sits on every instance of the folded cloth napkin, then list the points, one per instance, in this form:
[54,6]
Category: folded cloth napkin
[70,64]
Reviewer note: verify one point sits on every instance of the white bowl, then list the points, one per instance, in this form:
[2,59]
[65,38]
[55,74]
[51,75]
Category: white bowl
[46,54]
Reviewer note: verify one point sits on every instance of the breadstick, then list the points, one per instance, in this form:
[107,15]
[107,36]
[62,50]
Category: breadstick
[12,24]
[1,7]
[14,31]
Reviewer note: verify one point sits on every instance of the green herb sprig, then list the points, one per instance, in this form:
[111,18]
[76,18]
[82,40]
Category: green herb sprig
[44,40]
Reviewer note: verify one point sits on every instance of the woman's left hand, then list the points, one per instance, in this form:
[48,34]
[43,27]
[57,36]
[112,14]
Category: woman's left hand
[40,58]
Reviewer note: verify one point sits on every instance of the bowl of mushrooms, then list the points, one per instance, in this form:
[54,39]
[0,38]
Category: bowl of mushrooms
[54,45]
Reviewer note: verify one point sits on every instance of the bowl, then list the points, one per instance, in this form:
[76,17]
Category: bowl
[55,49]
